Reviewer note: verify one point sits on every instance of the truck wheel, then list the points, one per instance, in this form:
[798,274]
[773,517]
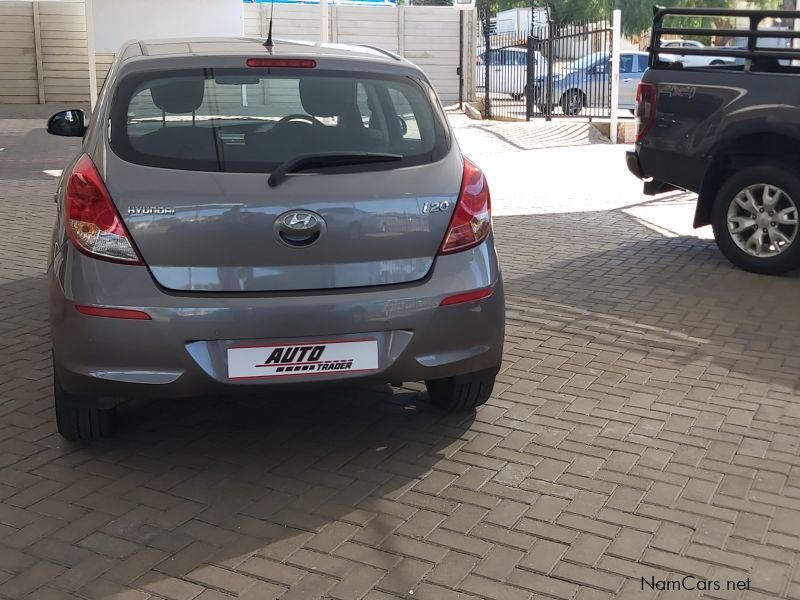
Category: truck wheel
[79,418]
[463,392]
[755,219]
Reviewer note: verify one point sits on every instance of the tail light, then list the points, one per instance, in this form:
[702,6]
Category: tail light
[91,220]
[646,94]
[472,218]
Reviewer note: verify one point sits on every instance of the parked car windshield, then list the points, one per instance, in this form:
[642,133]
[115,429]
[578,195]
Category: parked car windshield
[239,120]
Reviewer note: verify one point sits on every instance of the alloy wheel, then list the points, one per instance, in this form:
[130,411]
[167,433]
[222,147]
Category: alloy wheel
[572,103]
[763,220]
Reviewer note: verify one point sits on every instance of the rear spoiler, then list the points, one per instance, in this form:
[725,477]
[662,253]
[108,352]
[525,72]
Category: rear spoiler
[752,33]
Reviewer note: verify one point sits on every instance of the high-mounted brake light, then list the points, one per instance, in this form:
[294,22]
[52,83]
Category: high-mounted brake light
[91,220]
[112,313]
[472,218]
[282,63]
[646,95]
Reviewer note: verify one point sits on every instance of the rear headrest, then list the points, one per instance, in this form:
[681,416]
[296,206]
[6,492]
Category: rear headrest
[328,97]
[179,96]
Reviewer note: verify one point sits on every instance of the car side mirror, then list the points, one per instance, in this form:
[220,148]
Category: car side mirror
[403,125]
[68,123]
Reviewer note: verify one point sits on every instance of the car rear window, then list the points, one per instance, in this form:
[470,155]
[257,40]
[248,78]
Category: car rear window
[252,120]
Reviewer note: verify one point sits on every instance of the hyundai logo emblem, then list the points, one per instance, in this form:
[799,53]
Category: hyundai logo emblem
[299,228]
[300,220]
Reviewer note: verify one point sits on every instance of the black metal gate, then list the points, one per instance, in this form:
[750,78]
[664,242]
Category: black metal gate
[549,71]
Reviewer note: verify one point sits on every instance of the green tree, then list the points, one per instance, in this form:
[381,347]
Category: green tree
[637,15]
[577,11]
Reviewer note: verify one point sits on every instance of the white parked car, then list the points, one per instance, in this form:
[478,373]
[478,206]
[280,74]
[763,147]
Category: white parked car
[689,60]
[508,70]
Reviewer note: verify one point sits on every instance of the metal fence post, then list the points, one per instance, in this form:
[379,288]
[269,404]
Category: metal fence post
[487,62]
[460,69]
[616,28]
[530,75]
[551,51]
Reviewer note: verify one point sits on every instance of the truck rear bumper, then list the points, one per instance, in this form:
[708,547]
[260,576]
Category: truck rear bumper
[632,160]
[651,186]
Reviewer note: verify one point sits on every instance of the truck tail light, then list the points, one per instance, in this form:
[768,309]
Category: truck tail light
[91,220]
[646,95]
[472,218]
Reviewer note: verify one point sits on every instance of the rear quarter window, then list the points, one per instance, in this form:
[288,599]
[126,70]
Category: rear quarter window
[251,120]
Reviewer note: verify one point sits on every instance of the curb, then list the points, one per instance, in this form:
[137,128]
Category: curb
[472,112]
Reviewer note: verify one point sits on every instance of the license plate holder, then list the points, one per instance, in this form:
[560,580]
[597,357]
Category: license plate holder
[300,359]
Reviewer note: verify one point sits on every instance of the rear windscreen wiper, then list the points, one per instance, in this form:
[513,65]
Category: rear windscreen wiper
[303,162]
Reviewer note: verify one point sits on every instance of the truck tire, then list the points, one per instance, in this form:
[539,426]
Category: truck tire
[756,219]
[78,418]
[463,392]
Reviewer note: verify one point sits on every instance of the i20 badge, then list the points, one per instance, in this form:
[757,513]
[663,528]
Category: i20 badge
[432,207]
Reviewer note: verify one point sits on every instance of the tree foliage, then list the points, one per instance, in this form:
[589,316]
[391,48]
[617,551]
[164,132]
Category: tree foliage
[637,15]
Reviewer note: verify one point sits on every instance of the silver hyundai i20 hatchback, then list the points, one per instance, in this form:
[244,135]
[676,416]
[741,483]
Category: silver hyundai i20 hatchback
[242,218]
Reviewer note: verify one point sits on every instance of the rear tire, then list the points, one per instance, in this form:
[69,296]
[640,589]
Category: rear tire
[79,417]
[462,392]
[572,102]
[768,243]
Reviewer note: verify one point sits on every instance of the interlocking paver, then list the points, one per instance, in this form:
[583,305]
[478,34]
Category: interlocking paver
[645,425]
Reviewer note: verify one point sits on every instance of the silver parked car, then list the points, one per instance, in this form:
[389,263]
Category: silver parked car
[508,70]
[584,83]
[688,60]
[242,218]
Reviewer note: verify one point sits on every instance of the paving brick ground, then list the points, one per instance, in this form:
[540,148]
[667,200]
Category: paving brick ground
[645,425]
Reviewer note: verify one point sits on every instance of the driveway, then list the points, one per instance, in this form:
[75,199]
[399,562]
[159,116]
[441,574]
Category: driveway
[644,428]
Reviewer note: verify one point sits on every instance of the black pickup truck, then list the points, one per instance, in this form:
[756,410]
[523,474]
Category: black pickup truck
[730,132]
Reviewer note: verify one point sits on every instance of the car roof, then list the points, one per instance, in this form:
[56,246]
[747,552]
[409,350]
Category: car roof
[254,47]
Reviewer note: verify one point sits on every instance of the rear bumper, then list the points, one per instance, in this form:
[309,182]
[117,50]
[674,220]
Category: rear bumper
[651,186]
[632,160]
[182,350]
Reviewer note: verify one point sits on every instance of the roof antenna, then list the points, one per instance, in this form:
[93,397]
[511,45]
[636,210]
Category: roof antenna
[269,43]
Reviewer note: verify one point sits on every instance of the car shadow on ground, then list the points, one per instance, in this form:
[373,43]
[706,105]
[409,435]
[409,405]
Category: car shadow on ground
[253,480]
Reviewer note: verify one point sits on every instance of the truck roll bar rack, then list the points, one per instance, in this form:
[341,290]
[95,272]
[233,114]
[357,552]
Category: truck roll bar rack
[752,33]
